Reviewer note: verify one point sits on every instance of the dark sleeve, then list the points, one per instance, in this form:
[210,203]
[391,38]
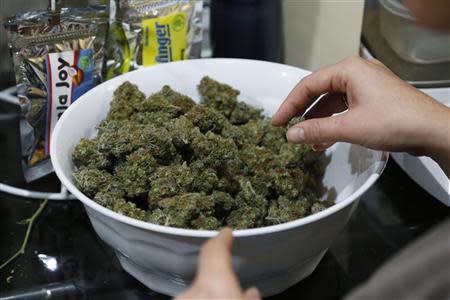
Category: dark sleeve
[420,271]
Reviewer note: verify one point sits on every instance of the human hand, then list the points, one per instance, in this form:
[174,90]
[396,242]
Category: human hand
[384,112]
[215,275]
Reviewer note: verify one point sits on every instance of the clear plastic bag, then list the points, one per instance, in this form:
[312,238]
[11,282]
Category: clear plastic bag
[148,32]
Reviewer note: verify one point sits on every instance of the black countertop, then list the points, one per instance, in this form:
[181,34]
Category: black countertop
[390,215]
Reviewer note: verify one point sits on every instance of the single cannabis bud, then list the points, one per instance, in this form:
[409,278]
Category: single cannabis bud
[242,113]
[110,192]
[206,119]
[294,121]
[218,96]
[205,223]
[126,101]
[90,181]
[320,205]
[178,211]
[110,125]
[214,150]
[297,156]
[168,181]
[87,154]
[289,182]
[245,217]
[157,140]
[223,203]
[177,99]
[228,184]
[107,199]
[273,137]
[204,179]
[115,138]
[263,184]
[284,210]
[127,208]
[257,158]
[159,103]
[135,171]
[248,197]
[248,133]
[183,133]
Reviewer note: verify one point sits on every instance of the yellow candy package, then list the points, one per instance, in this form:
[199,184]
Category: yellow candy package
[149,32]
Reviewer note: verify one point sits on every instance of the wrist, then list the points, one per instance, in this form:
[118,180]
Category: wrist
[437,141]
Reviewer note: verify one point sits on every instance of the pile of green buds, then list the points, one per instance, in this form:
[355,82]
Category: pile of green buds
[167,160]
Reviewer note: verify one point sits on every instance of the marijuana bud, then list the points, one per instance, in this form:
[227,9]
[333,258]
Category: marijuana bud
[178,211]
[245,217]
[90,181]
[177,99]
[294,121]
[273,137]
[206,119]
[87,154]
[168,181]
[218,96]
[135,171]
[284,210]
[127,99]
[205,223]
[242,113]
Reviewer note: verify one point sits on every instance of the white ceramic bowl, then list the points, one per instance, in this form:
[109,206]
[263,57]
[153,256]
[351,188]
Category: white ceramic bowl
[163,258]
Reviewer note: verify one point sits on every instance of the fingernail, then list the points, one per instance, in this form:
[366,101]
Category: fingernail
[253,293]
[226,230]
[296,134]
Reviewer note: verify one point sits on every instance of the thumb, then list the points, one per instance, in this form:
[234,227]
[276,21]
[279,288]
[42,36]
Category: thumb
[252,294]
[317,131]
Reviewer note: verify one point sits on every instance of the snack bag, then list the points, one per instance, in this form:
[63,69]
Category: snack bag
[148,32]
[58,55]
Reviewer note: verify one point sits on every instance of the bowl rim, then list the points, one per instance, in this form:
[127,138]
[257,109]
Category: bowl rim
[195,232]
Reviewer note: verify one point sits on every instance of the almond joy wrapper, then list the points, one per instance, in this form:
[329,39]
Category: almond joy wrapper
[58,56]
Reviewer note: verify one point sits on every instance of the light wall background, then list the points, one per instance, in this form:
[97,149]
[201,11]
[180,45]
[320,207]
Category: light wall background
[321,32]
